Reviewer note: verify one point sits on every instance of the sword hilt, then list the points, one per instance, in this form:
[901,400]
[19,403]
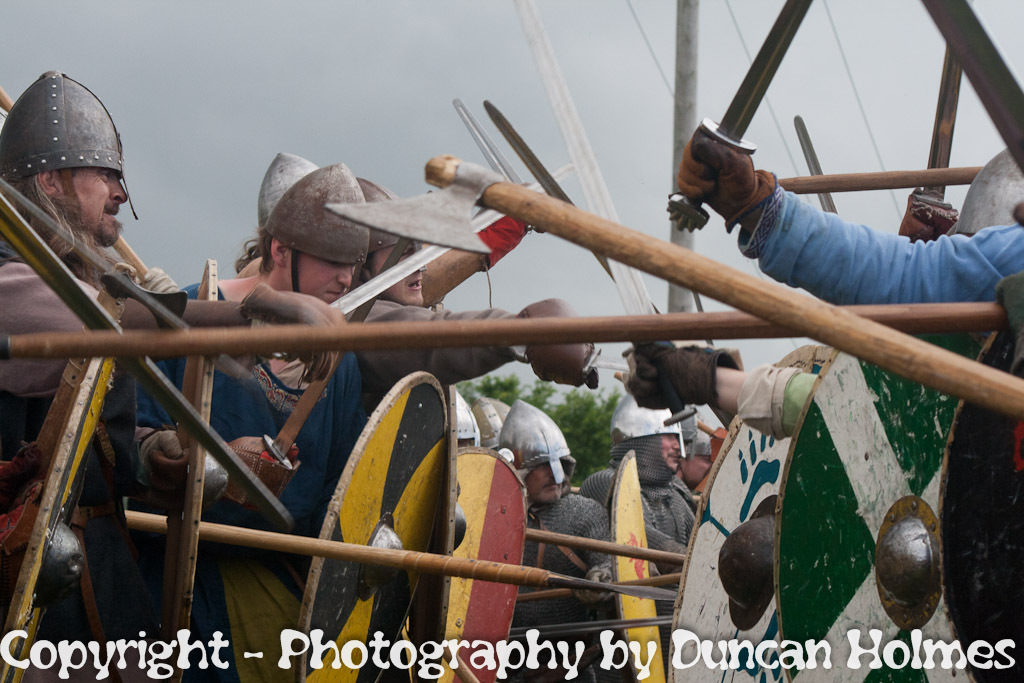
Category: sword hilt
[687,213]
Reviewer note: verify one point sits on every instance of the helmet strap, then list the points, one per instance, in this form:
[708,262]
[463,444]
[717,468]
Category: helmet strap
[295,269]
[68,183]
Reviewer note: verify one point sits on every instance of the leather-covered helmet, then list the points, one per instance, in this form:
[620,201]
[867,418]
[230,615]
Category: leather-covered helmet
[300,221]
[284,171]
[58,123]
[536,440]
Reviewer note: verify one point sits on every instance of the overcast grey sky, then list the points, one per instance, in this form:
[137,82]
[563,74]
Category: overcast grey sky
[206,93]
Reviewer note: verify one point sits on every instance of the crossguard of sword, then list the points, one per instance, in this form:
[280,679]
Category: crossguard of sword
[687,213]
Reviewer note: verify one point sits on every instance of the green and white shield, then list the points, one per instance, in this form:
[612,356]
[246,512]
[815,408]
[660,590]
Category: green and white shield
[864,468]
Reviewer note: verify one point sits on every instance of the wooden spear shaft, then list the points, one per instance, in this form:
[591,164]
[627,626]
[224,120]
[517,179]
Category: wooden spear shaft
[906,356]
[884,180]
[552,593]
[910,318]
[607,547]
[409,560]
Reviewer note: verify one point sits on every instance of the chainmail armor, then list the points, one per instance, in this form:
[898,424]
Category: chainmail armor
[578,516]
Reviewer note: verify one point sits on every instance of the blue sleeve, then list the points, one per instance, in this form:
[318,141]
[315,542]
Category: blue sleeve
[150,412]
[847,263]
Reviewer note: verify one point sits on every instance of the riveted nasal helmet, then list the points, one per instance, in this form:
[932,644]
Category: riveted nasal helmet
[58,123]
[284,171]
[536,440]
[630,421]
[300,221]
[465,424]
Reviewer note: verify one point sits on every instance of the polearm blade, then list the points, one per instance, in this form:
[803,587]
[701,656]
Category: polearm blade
[20,235]
[495,159]
[993,81]
[811,157]
[945,119]
[689,215]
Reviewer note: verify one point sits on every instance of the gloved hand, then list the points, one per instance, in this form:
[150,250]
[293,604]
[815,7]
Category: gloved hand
[691,370]
[163,460]
[593,597]
[1010,295]
[156,280]
[927,217]
[264,304]
[723,177]
[560,363]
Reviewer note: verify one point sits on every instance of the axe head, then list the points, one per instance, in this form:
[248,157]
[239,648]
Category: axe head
[441,218]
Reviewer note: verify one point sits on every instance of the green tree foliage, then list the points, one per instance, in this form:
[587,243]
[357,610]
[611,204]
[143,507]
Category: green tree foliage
[583,415]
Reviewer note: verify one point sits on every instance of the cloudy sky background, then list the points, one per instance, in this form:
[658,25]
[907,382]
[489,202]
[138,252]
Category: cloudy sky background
[206,93]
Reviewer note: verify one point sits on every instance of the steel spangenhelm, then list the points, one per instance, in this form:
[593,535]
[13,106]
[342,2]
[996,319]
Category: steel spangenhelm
[535,440]
[300,221]
[992,196]
[630,421]
[284,171]
[58,123]
[488,420]
[465,424]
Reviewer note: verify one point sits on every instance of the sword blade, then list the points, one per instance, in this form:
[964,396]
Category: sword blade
[945,118]
[495,159]
[991,77]
[812,161]
[762,70]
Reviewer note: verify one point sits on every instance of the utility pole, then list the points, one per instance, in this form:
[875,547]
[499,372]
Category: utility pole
[681,299]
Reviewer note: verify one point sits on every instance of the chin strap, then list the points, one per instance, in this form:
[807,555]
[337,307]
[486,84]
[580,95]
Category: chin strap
[295,269]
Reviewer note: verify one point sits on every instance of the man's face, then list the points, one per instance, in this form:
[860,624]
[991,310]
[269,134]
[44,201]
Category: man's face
[693,469]
[408,292]
[541,487]
[671,451]
[100,196]
[326,280]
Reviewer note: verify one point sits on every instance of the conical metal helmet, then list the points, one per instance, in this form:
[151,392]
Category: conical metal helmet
[465,423]
[489,420]
[994,192]
[536,440]
[300,221]
[58,123]
[372,192]
[630,421]
[284,171]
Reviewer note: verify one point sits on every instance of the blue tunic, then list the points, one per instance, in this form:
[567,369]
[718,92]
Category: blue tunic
[254,409]
[847,263]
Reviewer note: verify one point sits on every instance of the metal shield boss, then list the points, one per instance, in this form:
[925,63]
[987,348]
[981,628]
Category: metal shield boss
[994,192]
[386,497]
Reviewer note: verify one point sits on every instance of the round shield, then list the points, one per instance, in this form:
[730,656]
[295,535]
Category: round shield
[746,474]
[386,497]
[627,526]
[63,440]
[494,500]
[856,536]
[983,524]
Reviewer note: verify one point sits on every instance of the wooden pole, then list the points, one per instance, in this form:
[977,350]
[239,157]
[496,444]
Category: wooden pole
[607,547]
[910,318]
[882,180]
[131,258]
[5,100]
[906,356]
[663,580]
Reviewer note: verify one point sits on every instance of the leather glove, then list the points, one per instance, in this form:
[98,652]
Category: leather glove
[1010,295]
[594,597]
[691,370]
[560,363]
[264,304]
[927,217]
[715,173]
[156,280]
[163,460]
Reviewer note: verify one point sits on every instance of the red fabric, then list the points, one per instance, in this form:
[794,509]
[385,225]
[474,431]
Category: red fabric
[501,237]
